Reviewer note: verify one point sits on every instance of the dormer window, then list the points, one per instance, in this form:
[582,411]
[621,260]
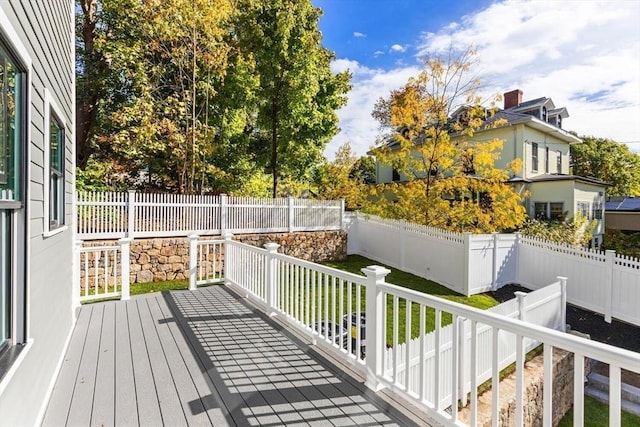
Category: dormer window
[544,114]
[559,122]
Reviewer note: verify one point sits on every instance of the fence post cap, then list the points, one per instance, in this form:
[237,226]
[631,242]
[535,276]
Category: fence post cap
[271,247]
[193,236]
[562,278]
[520,294]
[376,271]
[227,236]
[125,240]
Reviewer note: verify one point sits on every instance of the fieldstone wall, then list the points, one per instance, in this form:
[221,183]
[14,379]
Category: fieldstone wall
[562,393]
[160,259]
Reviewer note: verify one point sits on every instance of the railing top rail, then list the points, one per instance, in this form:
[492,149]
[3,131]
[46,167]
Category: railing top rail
[351,277]
[606,353]
[98,248]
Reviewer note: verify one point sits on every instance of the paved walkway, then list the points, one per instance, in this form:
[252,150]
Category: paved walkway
[201,358]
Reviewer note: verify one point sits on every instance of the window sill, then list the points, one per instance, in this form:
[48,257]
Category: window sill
[10,362]
[55,231]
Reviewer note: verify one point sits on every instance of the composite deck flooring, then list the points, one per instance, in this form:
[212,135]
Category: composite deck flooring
[201,357]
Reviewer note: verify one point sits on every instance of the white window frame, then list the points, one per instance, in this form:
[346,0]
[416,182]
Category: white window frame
[50,106]
[559,162]
[20,329]
[535,156]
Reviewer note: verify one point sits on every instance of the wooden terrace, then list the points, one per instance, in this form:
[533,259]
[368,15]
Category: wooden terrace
[203,357]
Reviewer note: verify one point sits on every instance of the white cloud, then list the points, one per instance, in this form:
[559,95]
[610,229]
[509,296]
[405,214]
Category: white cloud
[585,58]
[357,34]
[357,125]
[378,53]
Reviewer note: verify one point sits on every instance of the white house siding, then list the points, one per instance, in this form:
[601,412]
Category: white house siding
[46,31]
[544,141]
[552,192]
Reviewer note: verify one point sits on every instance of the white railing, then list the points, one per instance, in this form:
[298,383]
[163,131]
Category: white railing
[604,282]
[103,271]
[544,307]
[320,300]
[206,261]
[115,215]
[308,296]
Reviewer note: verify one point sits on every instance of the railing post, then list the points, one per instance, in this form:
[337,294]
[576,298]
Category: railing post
[223,214]
[228,237]
[374,325]
[193,262]
[125,261]
[516,279]
[272,277]
[496,265]
[466,267]
[522,306]
[290,213]
[563,301]
[341,214]
[131,210]
[608,284]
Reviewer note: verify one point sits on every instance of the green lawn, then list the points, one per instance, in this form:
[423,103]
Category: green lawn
[596,414]
[354,264]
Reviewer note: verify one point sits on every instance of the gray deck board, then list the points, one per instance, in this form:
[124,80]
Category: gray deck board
[82,402]
[126,410]
[196,358]
[103,413]
[60,402]
[146,395]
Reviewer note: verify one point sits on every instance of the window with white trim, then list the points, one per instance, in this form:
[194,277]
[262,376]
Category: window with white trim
[56,174]
[55,166]
[597,210]
[15,67]
[559,162]
[584,209]
[534,156]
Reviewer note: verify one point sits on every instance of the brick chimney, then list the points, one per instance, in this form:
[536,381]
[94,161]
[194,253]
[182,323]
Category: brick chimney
[513,98]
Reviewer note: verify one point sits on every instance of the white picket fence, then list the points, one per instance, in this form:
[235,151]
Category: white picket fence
[603,282]
[108,215]
[544,307]
[104,271]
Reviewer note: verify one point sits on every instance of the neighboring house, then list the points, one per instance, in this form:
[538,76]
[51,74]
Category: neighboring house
[534,134]
[623,213]
[36,197]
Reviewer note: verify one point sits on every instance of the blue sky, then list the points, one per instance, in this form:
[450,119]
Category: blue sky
[584,54]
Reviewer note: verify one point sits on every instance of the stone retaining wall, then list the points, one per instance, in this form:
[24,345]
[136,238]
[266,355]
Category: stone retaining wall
[533,410]
[160,259]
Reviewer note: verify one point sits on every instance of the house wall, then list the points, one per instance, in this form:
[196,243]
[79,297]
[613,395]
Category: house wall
[551,191]
[46,31]
[626,221]
[544,141]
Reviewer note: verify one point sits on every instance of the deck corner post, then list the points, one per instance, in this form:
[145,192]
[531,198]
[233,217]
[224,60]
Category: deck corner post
[193,261]
[125,250]
[522,305]
[375,327]
[131,214]
[563,302]
[610,259]
[272,277]
[226,267]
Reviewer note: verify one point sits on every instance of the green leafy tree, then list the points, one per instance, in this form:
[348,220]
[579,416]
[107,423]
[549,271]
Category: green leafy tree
[342,178]
[610,162]
[453,183]
[297,94]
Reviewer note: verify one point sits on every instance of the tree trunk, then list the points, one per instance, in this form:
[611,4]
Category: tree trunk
[274,146]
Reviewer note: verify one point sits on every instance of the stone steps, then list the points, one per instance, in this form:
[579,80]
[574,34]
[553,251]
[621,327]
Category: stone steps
[598,388]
